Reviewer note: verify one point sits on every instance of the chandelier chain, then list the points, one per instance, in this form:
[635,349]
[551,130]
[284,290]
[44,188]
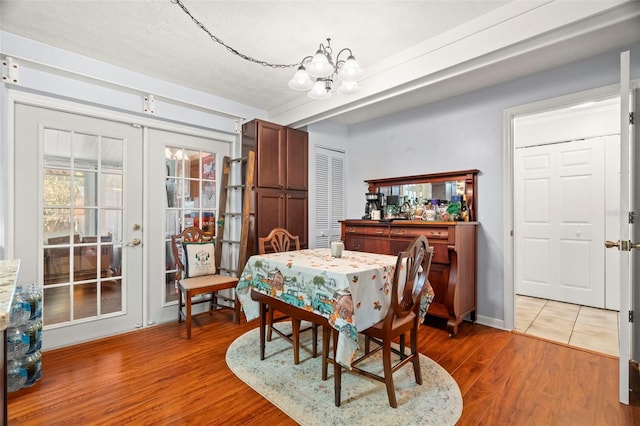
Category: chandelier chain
[229,48]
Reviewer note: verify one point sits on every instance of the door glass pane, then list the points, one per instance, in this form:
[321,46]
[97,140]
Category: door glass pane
[84,188]
[111,224]
[85,151]
[82,223]
[111,296]
[209,194]
[57,148]
[191,186]
[56,223]
[112,154]
[56,187]
[85,221]
[57,305]
[85,300]
[111,187]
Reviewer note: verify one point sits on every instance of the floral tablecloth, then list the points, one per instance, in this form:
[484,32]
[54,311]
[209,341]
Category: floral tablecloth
[352,291]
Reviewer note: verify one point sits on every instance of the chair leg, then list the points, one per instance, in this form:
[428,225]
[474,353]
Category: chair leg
[187,303]
[269,323]
[236,308]
[179,305]
[214,302]
[388,373]
[314,331]
[416,356]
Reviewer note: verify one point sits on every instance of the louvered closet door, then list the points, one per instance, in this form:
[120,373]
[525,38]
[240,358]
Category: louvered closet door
[329,195]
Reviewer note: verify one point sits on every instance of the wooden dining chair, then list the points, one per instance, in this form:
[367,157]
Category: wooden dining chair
[198,273]
[412,268]
[280,240]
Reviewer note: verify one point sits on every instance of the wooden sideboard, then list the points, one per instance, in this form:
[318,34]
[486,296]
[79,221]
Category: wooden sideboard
[453,273]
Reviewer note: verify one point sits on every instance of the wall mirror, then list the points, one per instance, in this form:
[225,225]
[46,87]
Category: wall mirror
[438,186]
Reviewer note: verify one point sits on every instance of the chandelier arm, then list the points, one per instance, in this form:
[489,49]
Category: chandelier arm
[229,48]
[340,62]
[306,59]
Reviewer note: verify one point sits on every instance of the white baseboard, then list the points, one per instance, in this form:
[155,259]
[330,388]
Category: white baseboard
[491,322]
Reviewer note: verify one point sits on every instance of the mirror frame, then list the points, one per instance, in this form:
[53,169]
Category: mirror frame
[470,178]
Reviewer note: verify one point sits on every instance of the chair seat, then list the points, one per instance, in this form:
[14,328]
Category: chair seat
[220,282]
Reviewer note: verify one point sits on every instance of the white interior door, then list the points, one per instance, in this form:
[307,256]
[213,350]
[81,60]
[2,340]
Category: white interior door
[78,221]
[629,210]
[184,189]
[559,218]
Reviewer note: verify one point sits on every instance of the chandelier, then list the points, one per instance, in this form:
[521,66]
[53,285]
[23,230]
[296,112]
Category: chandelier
[343,75]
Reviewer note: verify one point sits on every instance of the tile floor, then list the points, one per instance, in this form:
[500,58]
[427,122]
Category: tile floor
[581,326]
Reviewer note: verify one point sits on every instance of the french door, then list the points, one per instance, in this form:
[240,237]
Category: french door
[185,171]
[78,210]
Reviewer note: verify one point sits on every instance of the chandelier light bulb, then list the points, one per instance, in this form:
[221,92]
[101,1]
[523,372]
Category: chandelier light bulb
[350,70]
[301,80]
[320,66]
[320,90]
[348,88]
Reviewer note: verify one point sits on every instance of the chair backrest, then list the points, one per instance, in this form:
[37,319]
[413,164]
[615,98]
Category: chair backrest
[191,234]
[278,240]
[412,268]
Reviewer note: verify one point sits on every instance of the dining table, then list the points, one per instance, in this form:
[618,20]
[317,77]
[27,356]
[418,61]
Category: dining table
[353,291]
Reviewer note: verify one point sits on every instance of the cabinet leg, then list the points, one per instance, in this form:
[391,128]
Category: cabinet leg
[452,327]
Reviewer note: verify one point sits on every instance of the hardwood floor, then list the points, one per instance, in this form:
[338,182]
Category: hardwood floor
[156,376]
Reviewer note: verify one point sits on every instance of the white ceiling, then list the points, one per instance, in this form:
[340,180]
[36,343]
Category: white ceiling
[391,40]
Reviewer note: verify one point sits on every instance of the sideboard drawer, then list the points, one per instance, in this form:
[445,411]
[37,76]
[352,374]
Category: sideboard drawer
[367,230]
[436,233]
[440,252]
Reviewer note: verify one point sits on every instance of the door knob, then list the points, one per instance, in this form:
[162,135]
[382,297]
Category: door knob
[611,244]
[622,245]
[134,242]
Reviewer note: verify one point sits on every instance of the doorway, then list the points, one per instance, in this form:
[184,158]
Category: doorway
[563,208]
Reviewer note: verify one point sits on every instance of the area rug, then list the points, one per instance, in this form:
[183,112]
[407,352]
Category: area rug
[299,391]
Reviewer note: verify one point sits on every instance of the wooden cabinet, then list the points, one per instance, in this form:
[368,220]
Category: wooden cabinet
[453,268]
[297,159]
[281,179]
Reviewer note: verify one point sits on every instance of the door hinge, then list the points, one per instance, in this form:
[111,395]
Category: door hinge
[630,316]
[631,118]
[10,71]
[632,216]
[149,104]
[238,126]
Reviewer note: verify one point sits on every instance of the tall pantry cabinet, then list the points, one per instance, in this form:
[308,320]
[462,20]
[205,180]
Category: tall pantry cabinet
[280,196]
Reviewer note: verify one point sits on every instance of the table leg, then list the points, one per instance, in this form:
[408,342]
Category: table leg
[263,320]
[326,335]
[337,370]
[295,338]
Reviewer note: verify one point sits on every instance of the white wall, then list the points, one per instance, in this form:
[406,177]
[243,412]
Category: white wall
[465,132]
